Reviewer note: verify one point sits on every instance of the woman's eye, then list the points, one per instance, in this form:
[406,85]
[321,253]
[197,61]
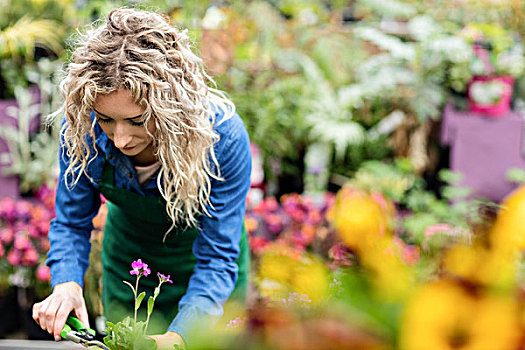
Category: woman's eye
[140,123]
[104,120]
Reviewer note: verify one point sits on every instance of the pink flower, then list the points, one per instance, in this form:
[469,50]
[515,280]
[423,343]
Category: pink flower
[271,203]
[164,278]
[22,242]
[235,323]
[6,235]
[439,228]
[42,273]
[43,227]
[314,217]
[30,257]
[297,215]
[33,232]
[411,254]
[137,264]
[14,257]
[274,222]
[139,268]
[340,254]
[299,241]
[7,209]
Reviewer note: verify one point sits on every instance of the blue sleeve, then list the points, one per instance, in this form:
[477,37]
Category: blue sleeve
[217,244]
[69,233]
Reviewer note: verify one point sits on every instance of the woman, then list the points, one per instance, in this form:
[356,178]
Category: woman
[172,158]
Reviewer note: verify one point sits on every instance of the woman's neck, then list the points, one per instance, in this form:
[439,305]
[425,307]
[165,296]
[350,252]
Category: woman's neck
[145,158]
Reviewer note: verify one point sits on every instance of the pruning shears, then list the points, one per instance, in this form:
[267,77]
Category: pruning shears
[77,332]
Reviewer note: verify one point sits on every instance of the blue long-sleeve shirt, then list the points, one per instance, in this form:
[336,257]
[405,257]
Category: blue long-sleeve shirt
[217,244]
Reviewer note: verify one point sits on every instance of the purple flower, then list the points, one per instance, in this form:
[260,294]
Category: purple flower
[164,278]
[140,268]
[137,265]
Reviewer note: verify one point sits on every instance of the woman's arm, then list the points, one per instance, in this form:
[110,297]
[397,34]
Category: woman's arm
[217,244]
[68,256]
[70,231]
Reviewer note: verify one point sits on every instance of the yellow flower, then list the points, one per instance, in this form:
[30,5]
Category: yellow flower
[443,315]
[359,219]
[478,264]
[508,230]
[283,270]
[390,276]
[276,263]
[310,277]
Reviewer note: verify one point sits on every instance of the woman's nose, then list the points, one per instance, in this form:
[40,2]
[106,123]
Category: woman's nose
[121,135]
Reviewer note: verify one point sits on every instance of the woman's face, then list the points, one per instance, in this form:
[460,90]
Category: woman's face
[122,120]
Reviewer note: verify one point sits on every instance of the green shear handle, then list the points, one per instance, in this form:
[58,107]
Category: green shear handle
[73,324]
[77,332]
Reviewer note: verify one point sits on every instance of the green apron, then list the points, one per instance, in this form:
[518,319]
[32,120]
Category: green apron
[135,227]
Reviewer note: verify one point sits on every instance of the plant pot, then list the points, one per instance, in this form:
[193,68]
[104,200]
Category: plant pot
[491,107]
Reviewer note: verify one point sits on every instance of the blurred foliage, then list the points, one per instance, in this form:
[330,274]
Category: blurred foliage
[29,29]
[32,154]
[367,79]
[285,77]
[453,206]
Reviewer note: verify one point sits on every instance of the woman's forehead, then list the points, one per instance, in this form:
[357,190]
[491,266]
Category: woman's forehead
[118,103]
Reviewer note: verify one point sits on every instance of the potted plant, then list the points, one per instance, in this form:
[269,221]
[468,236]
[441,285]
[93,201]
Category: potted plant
[496,62]
[131,333]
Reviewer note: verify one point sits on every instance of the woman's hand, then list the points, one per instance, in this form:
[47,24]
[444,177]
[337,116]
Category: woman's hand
[168,340]
[51,313]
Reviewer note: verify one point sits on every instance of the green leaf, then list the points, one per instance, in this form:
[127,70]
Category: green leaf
[516,175]
[151,302]
[130,286]
[145,343]
[139,300]
[456,192]
[449,176]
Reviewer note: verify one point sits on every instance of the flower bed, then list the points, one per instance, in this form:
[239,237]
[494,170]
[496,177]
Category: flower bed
[24,277]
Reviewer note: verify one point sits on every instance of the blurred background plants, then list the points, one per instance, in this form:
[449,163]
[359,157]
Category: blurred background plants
[32,146]
[339,95]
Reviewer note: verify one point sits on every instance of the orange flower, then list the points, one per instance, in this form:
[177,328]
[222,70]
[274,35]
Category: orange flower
[250,224]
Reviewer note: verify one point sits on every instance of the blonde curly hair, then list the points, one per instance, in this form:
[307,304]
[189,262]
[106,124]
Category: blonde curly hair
[141,52]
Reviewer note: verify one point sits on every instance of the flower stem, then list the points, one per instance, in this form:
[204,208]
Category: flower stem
[157,291]
[135,292]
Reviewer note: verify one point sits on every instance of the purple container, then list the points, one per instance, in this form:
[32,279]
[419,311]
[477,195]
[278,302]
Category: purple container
[483,149]
[9,185]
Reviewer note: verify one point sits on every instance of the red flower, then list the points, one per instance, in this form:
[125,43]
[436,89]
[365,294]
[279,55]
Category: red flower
[257,244]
